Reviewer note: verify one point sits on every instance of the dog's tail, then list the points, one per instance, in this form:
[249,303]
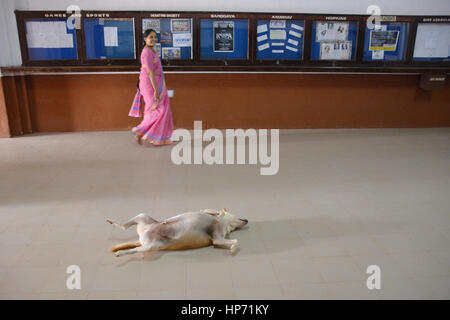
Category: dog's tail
[128,245]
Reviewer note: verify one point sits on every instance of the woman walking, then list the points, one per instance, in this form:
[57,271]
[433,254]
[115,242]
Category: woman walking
[157,125]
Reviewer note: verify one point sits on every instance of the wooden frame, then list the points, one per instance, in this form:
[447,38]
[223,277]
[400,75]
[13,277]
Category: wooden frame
[109,15]
[280,16]
[428,19]
[226,16]
[408,53]
[169,15]
[251,64]
[333,63]
[21,16]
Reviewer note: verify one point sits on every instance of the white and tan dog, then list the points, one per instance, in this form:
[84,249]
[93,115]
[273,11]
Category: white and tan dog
[185,231]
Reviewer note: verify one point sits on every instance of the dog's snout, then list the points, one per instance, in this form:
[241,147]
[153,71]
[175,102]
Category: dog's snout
[245,220]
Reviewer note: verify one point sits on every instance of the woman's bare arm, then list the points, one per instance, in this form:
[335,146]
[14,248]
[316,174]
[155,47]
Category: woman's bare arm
[151,75]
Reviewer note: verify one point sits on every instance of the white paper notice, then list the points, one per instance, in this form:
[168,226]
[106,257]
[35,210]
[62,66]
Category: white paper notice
[378,55]
[278,24]
[48,34]
[33,27]
[263,47]
[278,34]
[432,41]
[262,38]
[292,49]
[277,51]
[111,38]
[277,44]
[293,42]
[69,41]
[295,34]
[154,24]
[262,28]
[60,27]
[294,26]
[335,50]
[331,31]
[381,27]
[182,40]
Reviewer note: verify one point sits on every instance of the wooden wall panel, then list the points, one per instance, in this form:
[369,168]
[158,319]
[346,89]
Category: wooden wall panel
[229,100]
[4,124]
[17,105]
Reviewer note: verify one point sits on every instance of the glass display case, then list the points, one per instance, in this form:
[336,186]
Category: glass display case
[109,38]
[50,39]
[387,41]
[224,39]
[280,39]
[175,38]
[334,40]
[432,42]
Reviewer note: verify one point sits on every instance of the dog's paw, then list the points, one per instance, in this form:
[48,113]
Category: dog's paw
[233,247]
[118,254]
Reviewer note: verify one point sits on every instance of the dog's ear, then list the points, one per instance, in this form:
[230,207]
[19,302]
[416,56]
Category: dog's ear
[224,210]
[220,215]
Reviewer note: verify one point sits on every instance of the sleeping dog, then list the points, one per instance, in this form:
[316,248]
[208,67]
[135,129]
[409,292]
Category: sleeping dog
[185,231]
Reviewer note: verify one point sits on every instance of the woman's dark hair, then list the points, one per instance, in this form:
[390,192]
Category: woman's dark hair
[148,31]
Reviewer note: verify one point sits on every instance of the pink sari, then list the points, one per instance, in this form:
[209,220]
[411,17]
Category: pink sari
[157,125]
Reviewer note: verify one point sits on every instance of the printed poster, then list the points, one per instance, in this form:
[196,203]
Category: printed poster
[223,32]
[154,24]
[182,40]
[180,25]
[171,53]
[383,40]
[166,38]
[336,50]
[331,31]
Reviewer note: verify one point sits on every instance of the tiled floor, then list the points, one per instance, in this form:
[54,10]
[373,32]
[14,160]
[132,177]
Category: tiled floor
[341,201]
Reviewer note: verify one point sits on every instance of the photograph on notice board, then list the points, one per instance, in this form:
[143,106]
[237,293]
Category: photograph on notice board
[154,24]
[180,25]
[223,36]
[171,53]
[383,40]
[166,38]
[331,31]
[336,50]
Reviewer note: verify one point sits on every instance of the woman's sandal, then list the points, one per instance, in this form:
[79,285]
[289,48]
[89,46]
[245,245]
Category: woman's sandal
[137,137]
